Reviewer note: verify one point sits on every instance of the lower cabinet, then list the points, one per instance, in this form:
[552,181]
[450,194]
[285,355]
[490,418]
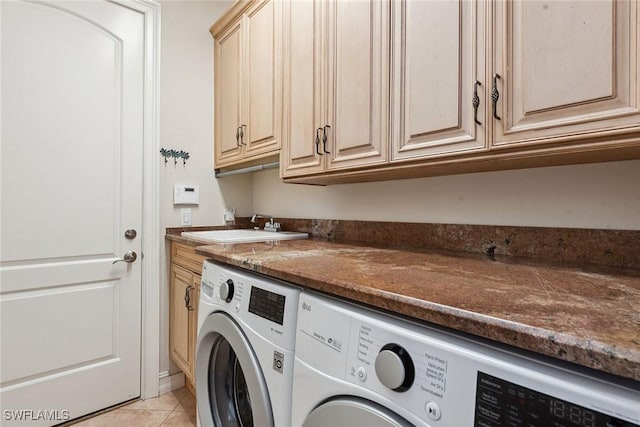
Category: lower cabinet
[184,294]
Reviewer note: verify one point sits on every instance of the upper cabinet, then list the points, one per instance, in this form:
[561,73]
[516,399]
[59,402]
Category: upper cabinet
[336,94]
[439,66]
[247,83]
[385,89]
[564,71]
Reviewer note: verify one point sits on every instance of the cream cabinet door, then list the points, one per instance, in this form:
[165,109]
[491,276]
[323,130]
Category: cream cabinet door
[180,284]
[248,85]
[263,94]
[196,280]
[438,66]
[357,81]
[302,77]
[228,81]
[336,74]
[565,70]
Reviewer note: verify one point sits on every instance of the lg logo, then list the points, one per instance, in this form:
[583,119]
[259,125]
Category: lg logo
[306,306]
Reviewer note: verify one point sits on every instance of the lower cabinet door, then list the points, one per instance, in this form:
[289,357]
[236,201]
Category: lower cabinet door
[181,319]
[193,323]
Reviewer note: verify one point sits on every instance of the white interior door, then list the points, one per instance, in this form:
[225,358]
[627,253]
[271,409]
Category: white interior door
[71,185]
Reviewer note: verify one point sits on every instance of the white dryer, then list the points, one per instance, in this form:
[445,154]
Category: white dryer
[356,367]
[244,353]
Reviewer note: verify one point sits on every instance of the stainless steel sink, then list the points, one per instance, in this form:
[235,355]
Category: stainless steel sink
[242,236]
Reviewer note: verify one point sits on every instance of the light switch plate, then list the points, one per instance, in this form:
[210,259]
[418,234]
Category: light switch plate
[185,216]
[230,214]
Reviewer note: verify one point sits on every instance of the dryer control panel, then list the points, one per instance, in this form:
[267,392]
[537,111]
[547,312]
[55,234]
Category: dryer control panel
[401,368]
[430,376]
[500,402]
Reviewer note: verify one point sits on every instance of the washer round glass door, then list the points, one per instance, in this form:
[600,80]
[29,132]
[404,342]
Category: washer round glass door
[229,377]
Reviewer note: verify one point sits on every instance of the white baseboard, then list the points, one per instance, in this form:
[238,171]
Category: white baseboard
[170,382]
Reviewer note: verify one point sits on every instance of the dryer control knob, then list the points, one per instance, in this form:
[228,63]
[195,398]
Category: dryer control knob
[226,291]
[394,368]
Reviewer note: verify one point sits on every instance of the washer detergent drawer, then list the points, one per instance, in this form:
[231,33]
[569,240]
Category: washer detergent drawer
[269,307]
[444,379]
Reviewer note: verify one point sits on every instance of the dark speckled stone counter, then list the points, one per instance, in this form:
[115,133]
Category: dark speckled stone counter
[590,317]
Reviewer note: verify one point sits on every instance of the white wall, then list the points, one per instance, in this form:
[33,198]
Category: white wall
[602,195]
[186,123]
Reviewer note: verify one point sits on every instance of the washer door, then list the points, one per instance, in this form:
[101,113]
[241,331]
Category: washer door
[353,412]
[230,387]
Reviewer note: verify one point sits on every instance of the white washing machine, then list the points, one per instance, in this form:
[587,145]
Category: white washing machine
[244,353]
[359,368]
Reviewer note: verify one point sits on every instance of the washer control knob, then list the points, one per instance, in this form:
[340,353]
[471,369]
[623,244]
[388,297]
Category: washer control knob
[394,368]
[226,290]
[362,374]
[433,410]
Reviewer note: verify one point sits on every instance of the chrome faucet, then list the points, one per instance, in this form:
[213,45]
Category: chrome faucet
[253,218]
[268,226]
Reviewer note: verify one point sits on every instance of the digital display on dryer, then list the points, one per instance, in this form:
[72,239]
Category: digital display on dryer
[502,403]
[267,305]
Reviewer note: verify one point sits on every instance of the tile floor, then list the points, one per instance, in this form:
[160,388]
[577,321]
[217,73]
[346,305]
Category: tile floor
[174,409]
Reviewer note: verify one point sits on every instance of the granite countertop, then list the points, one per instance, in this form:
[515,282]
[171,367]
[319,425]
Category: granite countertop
[590,317]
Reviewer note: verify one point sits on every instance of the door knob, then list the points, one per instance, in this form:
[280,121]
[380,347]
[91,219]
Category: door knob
[130,234]
[129,256]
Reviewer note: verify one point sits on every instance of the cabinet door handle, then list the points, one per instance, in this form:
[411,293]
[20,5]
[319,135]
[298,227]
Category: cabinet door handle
[187,298]
[495,95]
[318,141]
[242,134]
[324,139]
[238,136]
[476,101]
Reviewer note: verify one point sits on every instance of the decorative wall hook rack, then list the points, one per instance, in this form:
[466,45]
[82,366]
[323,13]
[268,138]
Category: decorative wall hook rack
[175,154]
